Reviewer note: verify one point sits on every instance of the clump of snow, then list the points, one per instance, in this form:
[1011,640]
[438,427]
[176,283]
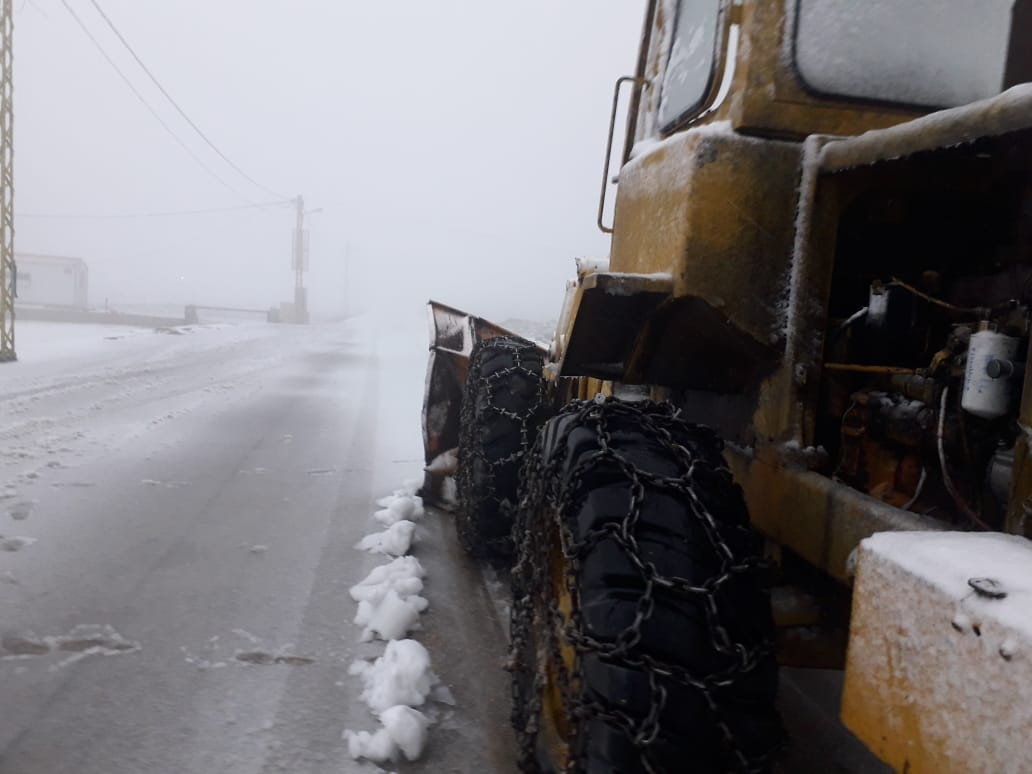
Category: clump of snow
[377,746]
[389,606]
[407,728]
[393,541]
[445,463]
[587,265]
[393,618]
[398,508]
[403,575]
[404,730]
[402,675]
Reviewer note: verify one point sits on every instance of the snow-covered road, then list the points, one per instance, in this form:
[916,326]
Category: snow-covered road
[178,515]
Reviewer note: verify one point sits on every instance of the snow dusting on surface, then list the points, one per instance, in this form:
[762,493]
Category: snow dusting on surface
[179,493]
[389,606]
[82,641]
[940,653]
[953,561]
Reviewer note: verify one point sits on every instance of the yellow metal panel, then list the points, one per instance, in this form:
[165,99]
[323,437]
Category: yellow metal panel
[813,516]
[766,93]
[937,673]
[715,210]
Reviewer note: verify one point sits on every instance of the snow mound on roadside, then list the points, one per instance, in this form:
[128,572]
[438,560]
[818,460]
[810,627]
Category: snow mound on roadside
[404,731]
[392,619]
[388,599]
[409,488]
[389,606]
[402,675]
[396,540]
[403,575]
[398,508]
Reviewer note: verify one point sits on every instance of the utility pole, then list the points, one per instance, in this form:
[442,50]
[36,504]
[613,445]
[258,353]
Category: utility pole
[299,261]
[300,258]
[8,276]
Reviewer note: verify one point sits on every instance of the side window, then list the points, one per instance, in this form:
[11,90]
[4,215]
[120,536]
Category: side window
[691,60]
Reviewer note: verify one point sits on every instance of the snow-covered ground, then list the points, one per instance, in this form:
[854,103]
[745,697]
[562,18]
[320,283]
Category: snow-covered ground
[179,585]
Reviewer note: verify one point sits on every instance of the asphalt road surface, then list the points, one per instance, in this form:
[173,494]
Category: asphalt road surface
[178,518]
[178,512]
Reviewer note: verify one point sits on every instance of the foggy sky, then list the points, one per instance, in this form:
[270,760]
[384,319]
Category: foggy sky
[455,146]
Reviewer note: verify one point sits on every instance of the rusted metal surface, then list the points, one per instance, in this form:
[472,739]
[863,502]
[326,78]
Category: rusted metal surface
[610,311]
[1019,510]
[870,369]
[817,518]
[452,336]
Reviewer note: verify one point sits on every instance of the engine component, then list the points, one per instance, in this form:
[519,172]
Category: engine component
[882,436]
[983,395]
[1000,473]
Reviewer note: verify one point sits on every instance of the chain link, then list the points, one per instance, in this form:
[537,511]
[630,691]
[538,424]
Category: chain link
[479,493]
[544,535]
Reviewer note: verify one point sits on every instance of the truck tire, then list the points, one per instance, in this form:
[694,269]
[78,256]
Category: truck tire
[503,406]
[642,637]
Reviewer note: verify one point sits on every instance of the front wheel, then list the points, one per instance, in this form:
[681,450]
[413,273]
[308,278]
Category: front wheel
[642,638]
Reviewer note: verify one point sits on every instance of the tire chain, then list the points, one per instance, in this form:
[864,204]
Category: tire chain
[542,496]
[472,499]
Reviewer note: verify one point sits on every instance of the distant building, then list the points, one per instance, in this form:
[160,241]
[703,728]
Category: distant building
[51,280]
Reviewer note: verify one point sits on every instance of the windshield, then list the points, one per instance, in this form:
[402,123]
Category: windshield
[918,52]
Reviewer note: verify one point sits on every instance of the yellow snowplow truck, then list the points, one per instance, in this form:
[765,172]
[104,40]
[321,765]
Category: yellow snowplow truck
[788,421]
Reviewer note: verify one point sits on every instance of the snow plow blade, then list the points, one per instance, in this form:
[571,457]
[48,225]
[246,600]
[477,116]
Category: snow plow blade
[452,336]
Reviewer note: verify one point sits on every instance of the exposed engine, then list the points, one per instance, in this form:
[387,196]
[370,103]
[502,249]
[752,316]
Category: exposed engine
[922,389]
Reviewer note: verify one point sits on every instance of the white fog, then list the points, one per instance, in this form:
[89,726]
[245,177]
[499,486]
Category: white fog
[738,482]
[453,148]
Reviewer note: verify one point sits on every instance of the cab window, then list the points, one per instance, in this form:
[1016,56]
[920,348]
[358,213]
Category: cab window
[691,60]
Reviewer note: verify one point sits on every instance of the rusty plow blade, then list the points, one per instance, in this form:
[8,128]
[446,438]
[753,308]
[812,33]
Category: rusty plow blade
[452,336]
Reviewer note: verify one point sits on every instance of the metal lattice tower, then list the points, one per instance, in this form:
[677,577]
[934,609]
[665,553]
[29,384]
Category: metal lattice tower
[7,269]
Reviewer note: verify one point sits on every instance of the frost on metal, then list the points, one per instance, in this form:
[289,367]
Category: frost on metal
[939,672]
[904,50]
[1007,112]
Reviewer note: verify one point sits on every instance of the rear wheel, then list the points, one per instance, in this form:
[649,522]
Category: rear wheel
[503,406]
[641,632]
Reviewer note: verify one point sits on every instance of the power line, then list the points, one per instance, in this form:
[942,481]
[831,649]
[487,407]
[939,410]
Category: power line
[181,112]
[146,104]
[164,214]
